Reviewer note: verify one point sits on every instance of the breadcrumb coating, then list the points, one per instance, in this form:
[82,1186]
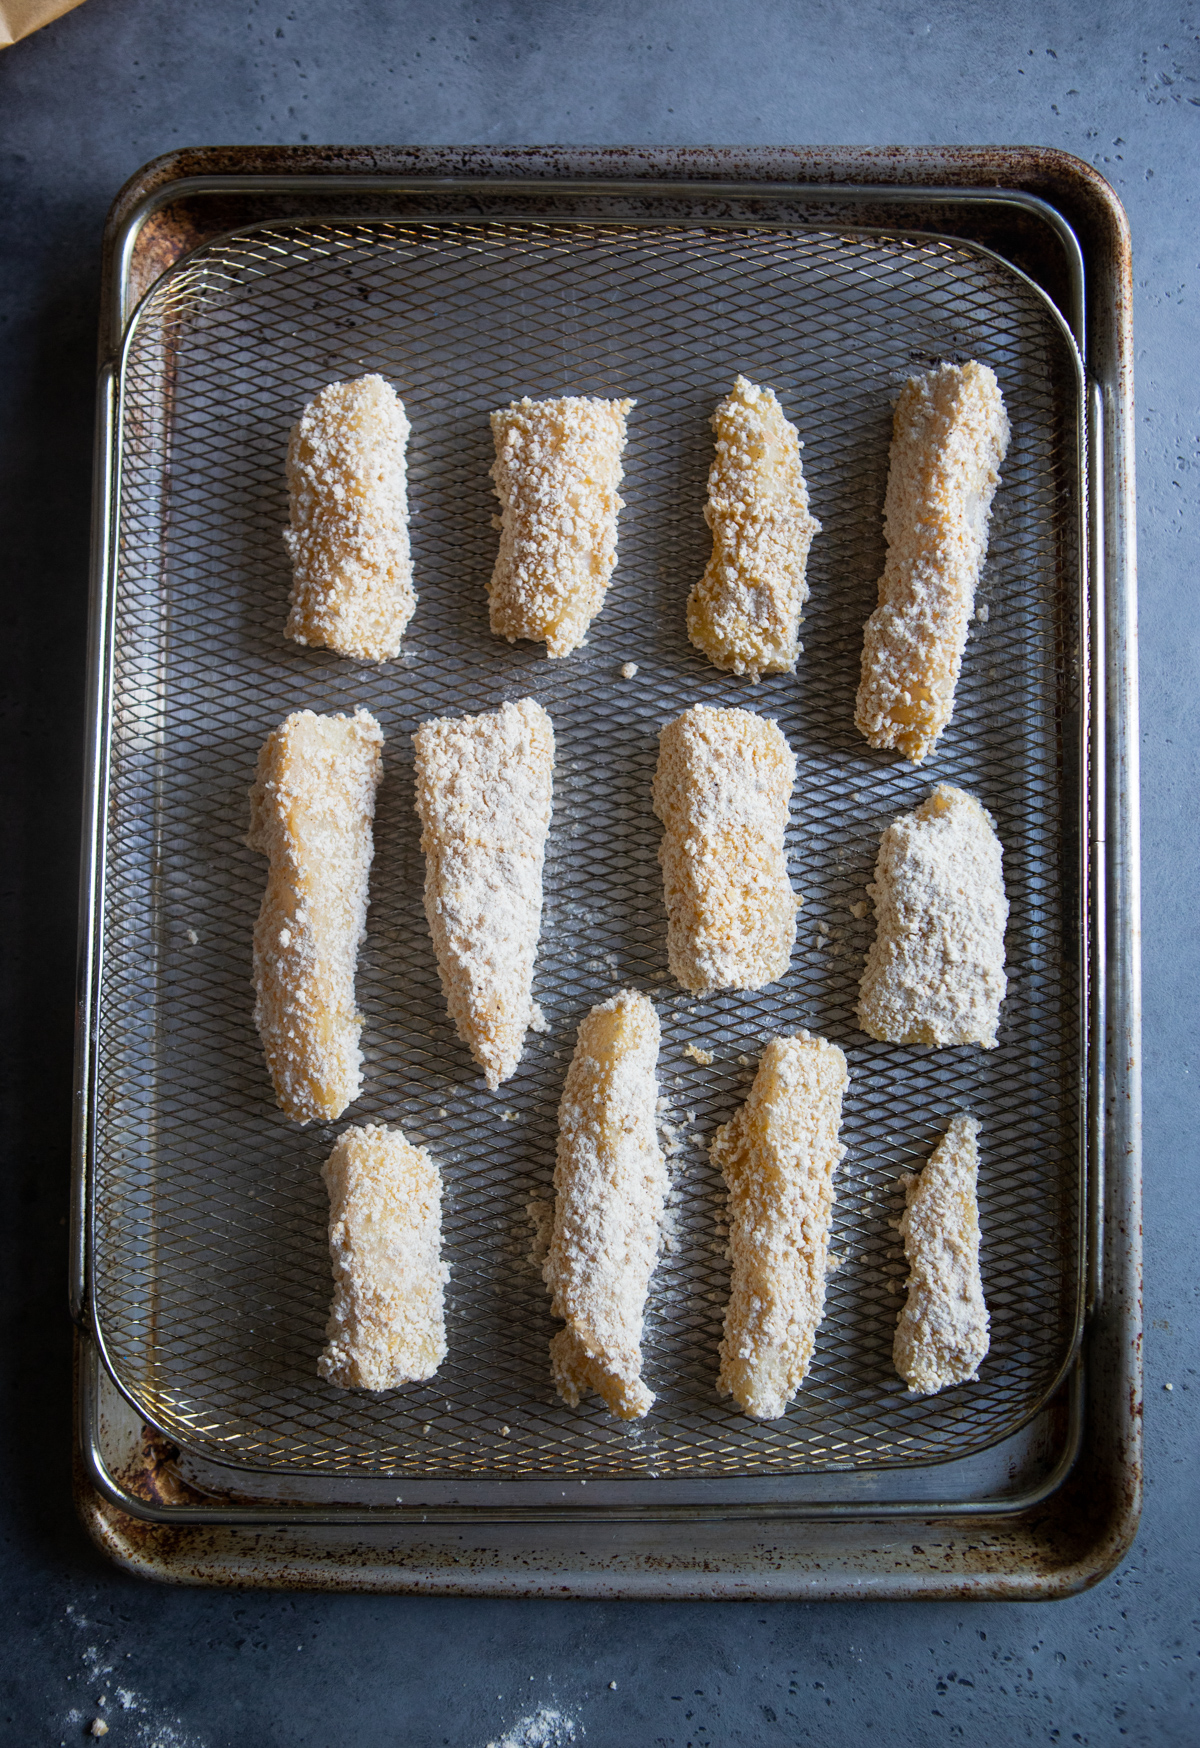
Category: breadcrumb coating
[386,1323]
[311,810]
[942,1332]
[352,587]
[949,437]
[722,788]
[778,1155]
[484,794]
[611,1184]
[935,970]
[744,613]
[557,469]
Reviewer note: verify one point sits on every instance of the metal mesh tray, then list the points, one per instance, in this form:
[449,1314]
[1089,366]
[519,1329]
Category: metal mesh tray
[210,1274]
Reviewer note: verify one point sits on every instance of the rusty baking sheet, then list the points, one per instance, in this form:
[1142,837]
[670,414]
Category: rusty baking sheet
[466,1452]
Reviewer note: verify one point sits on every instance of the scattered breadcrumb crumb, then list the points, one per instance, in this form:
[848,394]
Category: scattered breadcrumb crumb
[703,1057]
[540,1210]
[628,670]
[859,909]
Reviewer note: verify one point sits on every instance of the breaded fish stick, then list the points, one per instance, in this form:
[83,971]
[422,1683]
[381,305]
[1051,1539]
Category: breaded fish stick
[722,787]
[385,1240]
[352,587]
[311,810]
[484,794]
[557,469]
[779,1154]
[942,1332]
[935,970]
[744,613]
[949,436]
[611,1184]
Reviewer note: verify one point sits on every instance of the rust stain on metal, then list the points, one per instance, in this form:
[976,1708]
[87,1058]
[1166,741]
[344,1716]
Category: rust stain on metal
[153,1475]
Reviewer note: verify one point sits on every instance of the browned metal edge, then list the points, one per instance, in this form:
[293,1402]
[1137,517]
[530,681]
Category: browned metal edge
[934,1558]
[1087,1527]
[182,225]
[939,1561]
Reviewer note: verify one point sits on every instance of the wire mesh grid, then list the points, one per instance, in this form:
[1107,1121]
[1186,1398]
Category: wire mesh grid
[211,1273]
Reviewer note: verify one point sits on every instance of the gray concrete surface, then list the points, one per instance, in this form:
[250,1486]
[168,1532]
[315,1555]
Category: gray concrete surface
[82,104]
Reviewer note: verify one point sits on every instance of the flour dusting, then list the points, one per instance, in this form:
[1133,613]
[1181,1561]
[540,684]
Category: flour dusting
[544,1728]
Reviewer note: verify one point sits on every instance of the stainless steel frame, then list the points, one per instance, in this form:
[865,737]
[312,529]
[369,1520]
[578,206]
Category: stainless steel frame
[140,1499]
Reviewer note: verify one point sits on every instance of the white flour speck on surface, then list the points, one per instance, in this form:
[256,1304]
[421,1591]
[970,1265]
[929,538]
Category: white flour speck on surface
[146,1727]
[545,1728]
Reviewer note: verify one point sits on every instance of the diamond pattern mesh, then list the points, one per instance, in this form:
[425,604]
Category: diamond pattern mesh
[211,1270]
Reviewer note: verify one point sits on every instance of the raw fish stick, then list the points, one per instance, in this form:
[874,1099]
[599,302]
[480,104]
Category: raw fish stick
[722,788]
[611,1183]
[935,970]
[557,469]
[311,813]
[484,794]
[352,587]
[386,1324]
[779,1154]
[949,437]
[744,613]
[942,1332]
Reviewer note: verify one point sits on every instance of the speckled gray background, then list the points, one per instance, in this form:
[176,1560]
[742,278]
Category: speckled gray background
[82,105]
